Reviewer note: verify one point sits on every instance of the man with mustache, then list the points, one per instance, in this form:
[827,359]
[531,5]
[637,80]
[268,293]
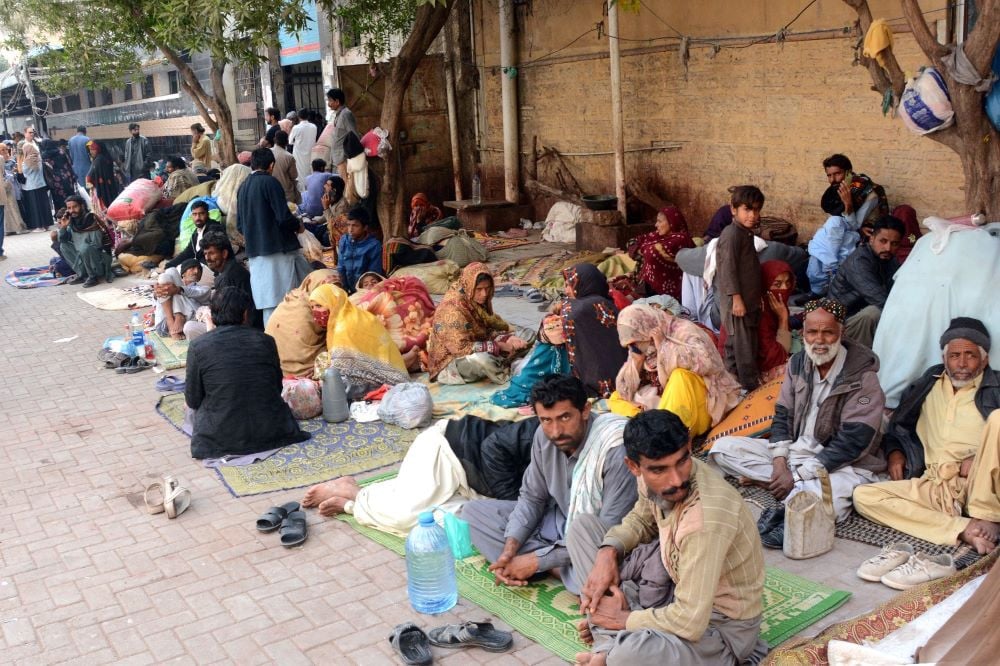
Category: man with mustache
[943,448]
[577,473]
[681,580]
[863,280]
[828,415]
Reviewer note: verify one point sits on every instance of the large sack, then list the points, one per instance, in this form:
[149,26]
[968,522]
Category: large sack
[463,250]
[926,104]
[560,223]
[437,277]
[407,405]
[140,197]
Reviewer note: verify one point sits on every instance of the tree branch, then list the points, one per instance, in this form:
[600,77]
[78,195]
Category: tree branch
[201,107]
[926,40]
[982,41]
[892,76]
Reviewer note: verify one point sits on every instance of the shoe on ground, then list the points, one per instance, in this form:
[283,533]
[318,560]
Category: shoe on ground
[90,282]
[770,519]
[148,265]
[76,279]
[892,555]
[110,279]
[775,539]
[920,568]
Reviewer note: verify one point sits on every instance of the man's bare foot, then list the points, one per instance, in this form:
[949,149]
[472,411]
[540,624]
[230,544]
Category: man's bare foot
[591,658]
[981,535]
[318,494]
[177,336]
[332,506]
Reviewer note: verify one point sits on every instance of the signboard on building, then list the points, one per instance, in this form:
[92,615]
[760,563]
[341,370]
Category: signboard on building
[305,47]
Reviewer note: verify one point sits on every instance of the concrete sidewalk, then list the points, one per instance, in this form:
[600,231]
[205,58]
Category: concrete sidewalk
[88,576]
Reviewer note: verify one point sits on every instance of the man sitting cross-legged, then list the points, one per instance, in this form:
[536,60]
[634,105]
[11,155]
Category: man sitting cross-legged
[577,469]
[681,580]
[943,447]
[828,415]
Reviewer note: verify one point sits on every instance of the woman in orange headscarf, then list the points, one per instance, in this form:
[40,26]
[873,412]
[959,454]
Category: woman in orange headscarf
[422,213]
[656,253]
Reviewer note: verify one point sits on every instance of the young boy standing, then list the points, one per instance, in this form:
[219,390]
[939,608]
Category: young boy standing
[740,286]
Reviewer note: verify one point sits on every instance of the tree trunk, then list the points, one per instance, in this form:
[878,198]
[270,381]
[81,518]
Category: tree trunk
[223,116]
[971,136]
[426,26]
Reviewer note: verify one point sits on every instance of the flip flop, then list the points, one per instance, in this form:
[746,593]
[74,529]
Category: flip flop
[293,529]
[169,383]
[410,642]
[271,519]
[176,498]
[471,634]
[154,506]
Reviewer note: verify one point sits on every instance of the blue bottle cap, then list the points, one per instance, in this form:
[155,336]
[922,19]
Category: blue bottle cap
[426,517]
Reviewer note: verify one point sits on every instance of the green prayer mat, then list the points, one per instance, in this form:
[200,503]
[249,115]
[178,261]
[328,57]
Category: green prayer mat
[170,354]
[336,449]
[547,614]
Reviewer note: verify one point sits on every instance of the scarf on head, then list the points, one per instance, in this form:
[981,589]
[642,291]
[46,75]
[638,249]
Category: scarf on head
[657,254]
[460,322]
[32,157]
[770,353]
[298,338]
[678,343]
[908,216]
[604,433]
[589,321]
[102,176]
[422,213]
[358,344]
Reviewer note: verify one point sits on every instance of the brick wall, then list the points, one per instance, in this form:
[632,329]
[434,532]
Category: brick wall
[765,115]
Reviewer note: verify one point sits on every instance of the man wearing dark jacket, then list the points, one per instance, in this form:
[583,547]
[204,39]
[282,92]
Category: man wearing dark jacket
[276,262]
[233,382]
[863,281]
[202,225]
[943,448]
[827,418]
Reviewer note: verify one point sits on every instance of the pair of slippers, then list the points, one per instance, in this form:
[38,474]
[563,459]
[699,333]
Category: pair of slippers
[167,496]
[413,645]
[288,519]
[133,365]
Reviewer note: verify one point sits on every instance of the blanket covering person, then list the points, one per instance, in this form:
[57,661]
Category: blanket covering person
[297,335]
[356,343]
[589,319]
[679,369]
[461,326]
[656,253]
[404,306]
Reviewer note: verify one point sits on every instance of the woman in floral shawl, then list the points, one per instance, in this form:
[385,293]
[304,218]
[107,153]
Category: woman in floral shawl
[468,342]
[589,318]
[673,365]
[656,253]
[356,342]
[404,307]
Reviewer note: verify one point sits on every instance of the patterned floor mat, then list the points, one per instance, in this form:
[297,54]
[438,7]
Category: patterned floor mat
[546,613]
[170,354]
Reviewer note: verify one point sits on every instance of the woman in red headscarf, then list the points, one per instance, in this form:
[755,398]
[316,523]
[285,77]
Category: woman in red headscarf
[422,213]
[656,253]
[774,338]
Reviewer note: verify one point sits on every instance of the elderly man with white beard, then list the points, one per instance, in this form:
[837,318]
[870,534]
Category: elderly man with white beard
[828,416]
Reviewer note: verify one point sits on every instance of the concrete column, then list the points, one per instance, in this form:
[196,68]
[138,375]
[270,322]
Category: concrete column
[508,92]
[617,124]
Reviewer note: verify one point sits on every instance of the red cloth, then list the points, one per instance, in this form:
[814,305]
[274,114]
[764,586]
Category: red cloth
[908,217]
[657,254]
[378,393]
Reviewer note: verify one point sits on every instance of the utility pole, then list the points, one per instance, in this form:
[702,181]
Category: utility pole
[30,90]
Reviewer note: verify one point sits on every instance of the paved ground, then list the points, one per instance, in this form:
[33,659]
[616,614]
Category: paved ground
[87,576]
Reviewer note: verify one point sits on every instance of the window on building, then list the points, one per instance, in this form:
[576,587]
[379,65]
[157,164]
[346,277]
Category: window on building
[56,105]
[148,89]
[350,35]
[107,98]
[128,92]
[72,102]
[91,99]
[173,85]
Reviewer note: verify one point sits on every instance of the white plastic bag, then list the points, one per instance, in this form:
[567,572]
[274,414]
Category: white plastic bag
[926,104]
[407,405]
[312,249]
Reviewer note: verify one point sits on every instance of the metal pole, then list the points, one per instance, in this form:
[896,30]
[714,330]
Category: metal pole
[617,124]
[508,92]
[30,90]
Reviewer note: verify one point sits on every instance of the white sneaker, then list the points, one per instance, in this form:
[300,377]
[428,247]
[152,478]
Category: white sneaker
[919,569]
[892,556]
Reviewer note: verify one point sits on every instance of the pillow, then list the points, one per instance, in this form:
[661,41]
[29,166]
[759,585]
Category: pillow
[750,418]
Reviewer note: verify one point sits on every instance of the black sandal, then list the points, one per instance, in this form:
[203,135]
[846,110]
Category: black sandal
[410,642]
[471,634]
[293,529]
[271,519]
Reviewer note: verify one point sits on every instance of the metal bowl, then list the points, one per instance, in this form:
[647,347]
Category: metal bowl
[600,201]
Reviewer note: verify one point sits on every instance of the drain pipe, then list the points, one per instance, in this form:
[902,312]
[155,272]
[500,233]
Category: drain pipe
[617,124]
[508,91]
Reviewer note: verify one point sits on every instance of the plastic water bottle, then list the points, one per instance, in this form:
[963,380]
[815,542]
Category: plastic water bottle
[430,568]
[477,188]
[335,407]
[138,339]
